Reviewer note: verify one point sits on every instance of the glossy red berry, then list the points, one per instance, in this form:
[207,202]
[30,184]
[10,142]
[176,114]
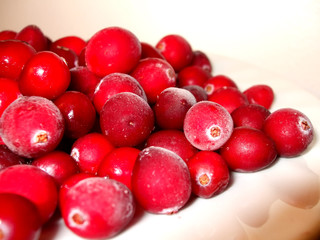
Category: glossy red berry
[260,94]
[69,56]
[9,91]
[34,36]
[7,35]
[202,60]
[192,75]
[218,81]
[149,51]
[73,43]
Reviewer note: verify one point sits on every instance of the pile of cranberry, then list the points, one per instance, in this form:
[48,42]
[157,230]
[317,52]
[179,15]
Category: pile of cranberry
[93,129]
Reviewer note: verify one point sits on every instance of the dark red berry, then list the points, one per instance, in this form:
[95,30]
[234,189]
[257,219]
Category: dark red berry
[34,36]
[216,82]
[192,75]
[198,92]
[202,60]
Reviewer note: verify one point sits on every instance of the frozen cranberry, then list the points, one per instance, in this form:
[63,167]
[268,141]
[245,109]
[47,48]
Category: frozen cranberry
[172,106]
[126,119]
[216,82]
[13,56]
[8,158]
[67,54]
[9,91]
[33,35]
[154,75]
[148,51]
[198,92]
[78,112]
[31,126]
[260,94]
[7,35]
[118,165]
[161,181]
[89,150]
[209,174]
[173,140]
[176,50]
[202,60]
[251,115]
[248,150]
[229,97]
[19,218]
[98,208]
[112,49]
[192,75]
[207,125]
[83,80]
[115,83]
[60,165]
[290,129]
[32,183]
[73,43]
[46,75]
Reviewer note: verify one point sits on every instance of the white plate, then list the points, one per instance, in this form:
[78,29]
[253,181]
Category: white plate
[278,203]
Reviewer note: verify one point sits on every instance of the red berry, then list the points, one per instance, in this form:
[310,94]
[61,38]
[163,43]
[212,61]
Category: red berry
[248,150]
[33,35]
[9,91]
[198,92]
[98,208]
[9,158]
[112,49]
[149,51]
[7,35]
[69,56]
[207,125]
[192,75]
[46,75]
[161,181]
[126,119]
[260,94]
[216,82]
[291,130]
[209,174]
[202,60]
[73,43]
[31,126]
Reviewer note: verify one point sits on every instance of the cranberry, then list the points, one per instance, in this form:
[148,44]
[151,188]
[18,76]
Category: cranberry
[216,82]
[89,150]
[112,49]
[202,60]
[126,126]
[8,158]
[172,106]
[161,181]
[118,164]
[209,174]
[33,35]
[173,140]
[60,165]
[192,75]
[83,80]
[115,83]
[207,125]
[154,75]
[198,92]
[45,75]
[13,56]
[248,150]
[229,97]
[251,115]
[291,130]
[32,183]
[98,208]
[176,50]
[260,94]
[74,43]
[31,126]
[67,54]
[7,35]
[149,51]
[19,218]
[78,112]
[9,91]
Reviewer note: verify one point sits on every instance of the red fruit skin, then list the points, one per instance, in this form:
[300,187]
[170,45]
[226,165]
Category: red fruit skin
[202,60]
[154,75]
[33,35]
[248,150]
[19,218]
[216,82]
[8,158]
[69,56]
[7,35]
[98,208]
[31,126]
[173,140]
[32,183]
[118,165]
[176,50]
[60,165]
[260,94]
[115,83]
[13,56]
[209,173]
[46,75]
[198,92]
[207,125]
[126,126]
[161,181]
[73,43]
[112,49]
[291,130]
[9,91]
[192,75]
[149,51]
[78,112]
[89,150]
